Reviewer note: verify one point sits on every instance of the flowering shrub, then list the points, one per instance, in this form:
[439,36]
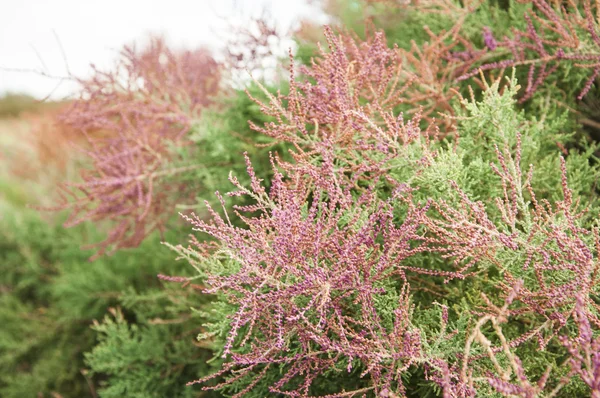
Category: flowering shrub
[309,278]
[375,213]
[133,117]
[418,229]
[553,35]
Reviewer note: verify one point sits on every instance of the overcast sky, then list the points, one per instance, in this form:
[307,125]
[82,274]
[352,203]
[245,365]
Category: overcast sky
[93,31]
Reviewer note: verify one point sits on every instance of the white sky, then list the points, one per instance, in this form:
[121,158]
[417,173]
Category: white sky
[93,31]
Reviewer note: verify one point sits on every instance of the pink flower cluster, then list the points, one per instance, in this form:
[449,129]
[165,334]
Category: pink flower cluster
[552,36]
[132,117]
[325,245]
[309,277]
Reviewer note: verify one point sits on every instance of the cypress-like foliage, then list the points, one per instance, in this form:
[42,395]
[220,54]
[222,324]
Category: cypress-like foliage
[412,214]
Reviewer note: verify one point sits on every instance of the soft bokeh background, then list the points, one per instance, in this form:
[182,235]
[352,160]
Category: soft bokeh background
[33,31]
[53,302]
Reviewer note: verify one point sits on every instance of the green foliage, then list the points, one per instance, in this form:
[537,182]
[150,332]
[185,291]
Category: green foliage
[485,128]
[220,138]
[146,359]
[51,296]
[112,329]
[494,122]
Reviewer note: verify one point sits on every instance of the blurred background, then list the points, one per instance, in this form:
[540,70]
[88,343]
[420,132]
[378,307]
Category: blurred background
[42,42]
[118,116]
[47,49]
[110,328]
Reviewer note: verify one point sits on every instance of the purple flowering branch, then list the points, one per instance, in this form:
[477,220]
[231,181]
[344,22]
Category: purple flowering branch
[131,117]
[466,377]
[307,280]
[553,36]
[547,235]
[354,87]
[511,380]
[584,349]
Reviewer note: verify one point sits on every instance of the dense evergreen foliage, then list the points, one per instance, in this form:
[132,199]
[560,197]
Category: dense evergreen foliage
[412,214]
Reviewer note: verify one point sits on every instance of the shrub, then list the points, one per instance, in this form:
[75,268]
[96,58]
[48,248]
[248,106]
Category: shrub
[134,117]
[422,226]
[320,280]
